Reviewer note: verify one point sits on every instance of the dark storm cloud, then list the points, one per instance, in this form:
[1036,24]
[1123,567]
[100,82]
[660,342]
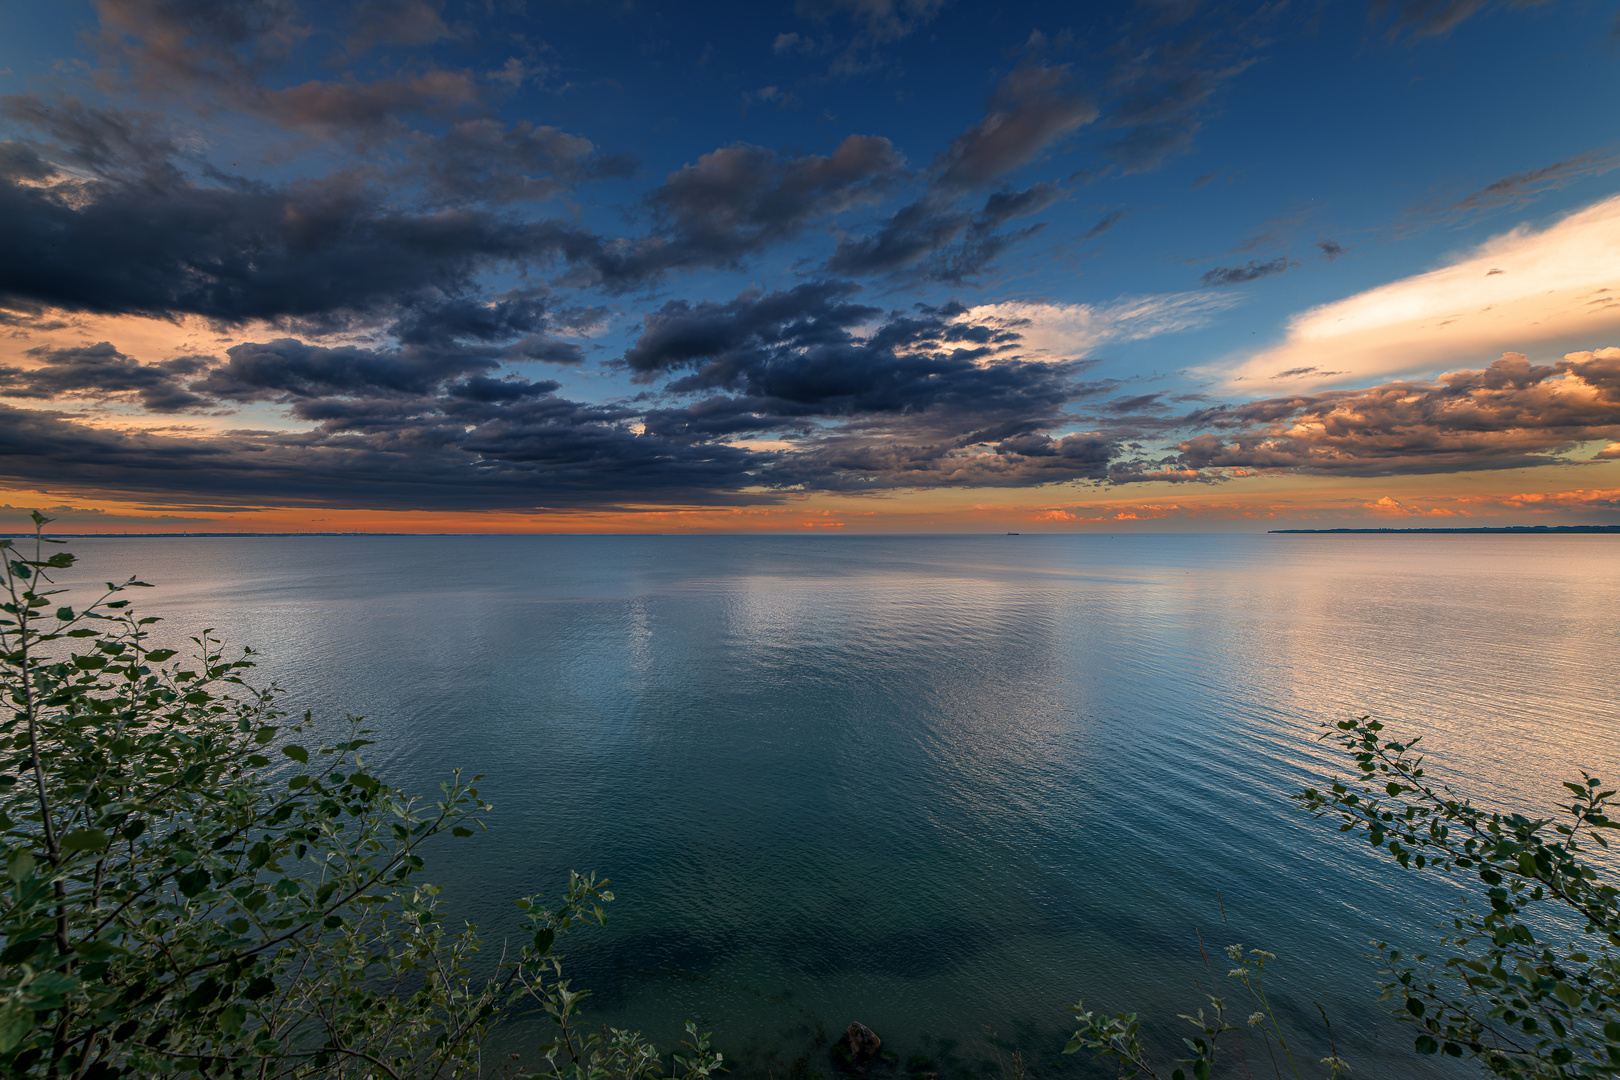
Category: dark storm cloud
[144,238]
[434,123]
[148,238]
[922,398]
[1520,188]
[1167,74]
[939,240]
[187,44]
[740,199]
[1510,415]
[682,334]
[868,464]
[472,451]
[217,53]
[912,398]
[1330,249]
[733,203]
[101,372]
[1106,222]
[814,352]
[287,369]
[1033,108]
[937,237]
[524,314]
[910,235]
[163,245]
[19,162]
[367,110]
[1222,276]
[460,338]
[166,245]
[1136,403]
[484,160]
[1002,206]
[110,143]
[984,241]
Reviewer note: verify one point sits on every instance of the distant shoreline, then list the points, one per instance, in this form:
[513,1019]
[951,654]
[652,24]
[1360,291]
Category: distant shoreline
[1533,529]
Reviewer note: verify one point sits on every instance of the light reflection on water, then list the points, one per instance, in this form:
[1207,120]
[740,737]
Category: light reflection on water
[940,784]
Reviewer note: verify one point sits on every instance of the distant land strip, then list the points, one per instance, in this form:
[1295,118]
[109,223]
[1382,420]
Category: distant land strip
[1480,529]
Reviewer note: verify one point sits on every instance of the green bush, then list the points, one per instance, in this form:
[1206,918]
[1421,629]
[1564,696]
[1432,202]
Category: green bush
[188,890]
[1500,987]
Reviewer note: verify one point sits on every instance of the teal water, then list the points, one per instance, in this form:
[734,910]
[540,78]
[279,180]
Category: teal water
[943,785]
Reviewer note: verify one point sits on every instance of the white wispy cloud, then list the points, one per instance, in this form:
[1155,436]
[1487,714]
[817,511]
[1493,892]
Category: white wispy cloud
[1528,290]
[1053,332]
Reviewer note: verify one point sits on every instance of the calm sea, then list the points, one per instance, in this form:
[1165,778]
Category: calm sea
[943,785]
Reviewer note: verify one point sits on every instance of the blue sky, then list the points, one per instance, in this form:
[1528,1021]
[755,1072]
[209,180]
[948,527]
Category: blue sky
[556,265]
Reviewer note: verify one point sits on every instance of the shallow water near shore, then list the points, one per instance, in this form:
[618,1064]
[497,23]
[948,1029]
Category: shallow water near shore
[943,785]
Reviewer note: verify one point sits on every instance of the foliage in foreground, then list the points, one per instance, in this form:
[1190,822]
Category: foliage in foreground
[172,904]
[1502,988]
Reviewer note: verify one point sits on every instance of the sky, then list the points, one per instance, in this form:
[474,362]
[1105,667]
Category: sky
[825,265]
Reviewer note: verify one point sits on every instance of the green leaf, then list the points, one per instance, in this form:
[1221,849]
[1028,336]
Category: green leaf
[85,840]
[461,830]
[16,1021]
[157,656]
[98,949]
[232,1017]
[192,882]
[1425,1044]
[297,753]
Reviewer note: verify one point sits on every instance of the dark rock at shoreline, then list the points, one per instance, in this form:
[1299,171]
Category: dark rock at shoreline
[862,1041]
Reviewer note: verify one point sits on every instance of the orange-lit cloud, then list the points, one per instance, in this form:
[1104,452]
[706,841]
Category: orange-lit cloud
[1551,501]
[1508,415]
[1387,507]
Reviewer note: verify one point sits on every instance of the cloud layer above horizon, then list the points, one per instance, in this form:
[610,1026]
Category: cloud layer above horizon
[416,255]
